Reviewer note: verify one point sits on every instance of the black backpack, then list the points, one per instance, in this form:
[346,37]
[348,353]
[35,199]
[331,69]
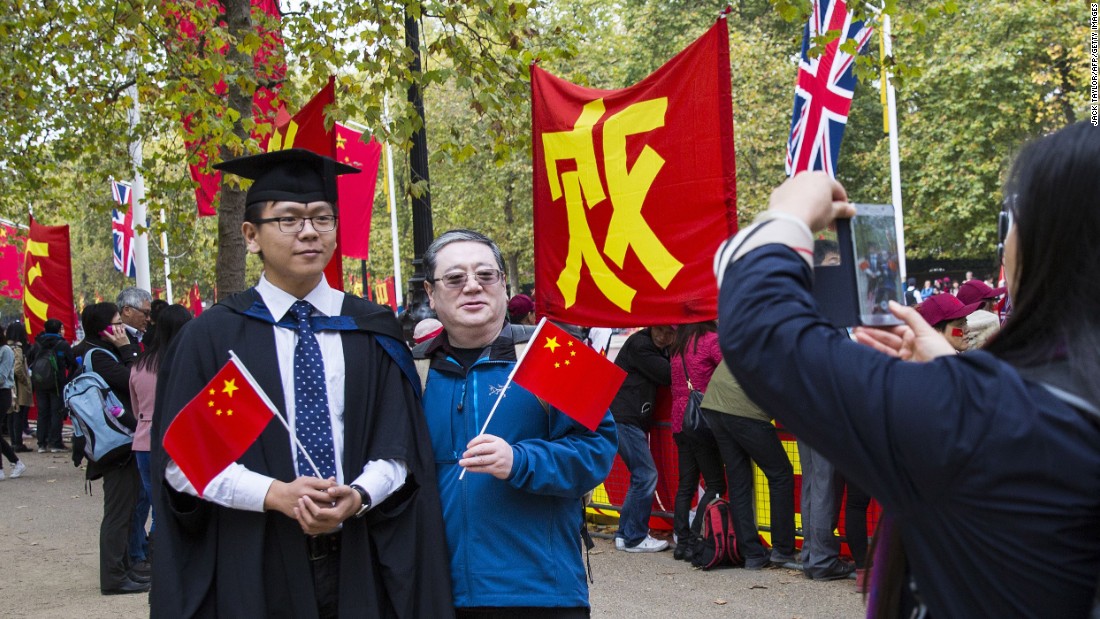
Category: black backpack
[718,546]
[44,371]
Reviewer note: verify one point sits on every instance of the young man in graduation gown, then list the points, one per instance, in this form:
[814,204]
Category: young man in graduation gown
[362,536]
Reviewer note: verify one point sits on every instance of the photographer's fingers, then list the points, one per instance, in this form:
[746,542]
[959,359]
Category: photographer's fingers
[926,343]
[814,197]
[885,341]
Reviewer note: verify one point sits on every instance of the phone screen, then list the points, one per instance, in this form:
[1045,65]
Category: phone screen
[875,247]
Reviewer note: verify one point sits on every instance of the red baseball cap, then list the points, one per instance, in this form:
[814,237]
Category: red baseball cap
[941,307]
[975,291]
[521,305]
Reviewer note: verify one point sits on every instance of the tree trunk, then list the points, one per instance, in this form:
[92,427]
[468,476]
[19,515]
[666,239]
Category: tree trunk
[229,269]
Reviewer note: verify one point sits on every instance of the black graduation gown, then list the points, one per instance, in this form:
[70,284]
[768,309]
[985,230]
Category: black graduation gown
[218,562]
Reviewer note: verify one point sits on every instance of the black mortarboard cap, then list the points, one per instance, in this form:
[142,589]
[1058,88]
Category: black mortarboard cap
[293,175]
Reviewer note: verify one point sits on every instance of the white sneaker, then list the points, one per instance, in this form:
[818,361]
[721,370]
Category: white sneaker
[620,544]
[1,474]
[649,544]
[17,470]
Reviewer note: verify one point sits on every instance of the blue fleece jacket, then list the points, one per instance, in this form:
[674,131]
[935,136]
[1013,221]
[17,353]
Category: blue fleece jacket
[513,542]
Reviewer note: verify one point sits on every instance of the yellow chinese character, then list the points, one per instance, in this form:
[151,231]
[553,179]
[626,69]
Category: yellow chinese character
[628,188]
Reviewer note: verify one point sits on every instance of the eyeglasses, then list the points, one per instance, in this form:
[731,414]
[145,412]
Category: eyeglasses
[117,324]
[483,277]
[1004,224]
[147,313]
[294,225]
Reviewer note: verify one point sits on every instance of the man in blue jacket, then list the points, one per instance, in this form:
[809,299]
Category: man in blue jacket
[514,520]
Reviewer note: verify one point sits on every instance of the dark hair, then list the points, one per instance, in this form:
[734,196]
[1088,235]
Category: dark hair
[169,322]
[454,236]
[16,332]
[96,318]
[52,325]
[690,334]
[156,307]
[824,247]
[1053,193]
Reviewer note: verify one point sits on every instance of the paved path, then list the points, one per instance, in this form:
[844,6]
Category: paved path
[49,548]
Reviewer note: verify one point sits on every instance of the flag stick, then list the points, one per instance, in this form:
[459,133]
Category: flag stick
[507,383]
[263,396]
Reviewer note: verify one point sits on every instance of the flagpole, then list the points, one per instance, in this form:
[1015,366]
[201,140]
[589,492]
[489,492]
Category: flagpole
[141,241]
[167,265]
[895,157]
[507,383]
[274,411]
[398,287]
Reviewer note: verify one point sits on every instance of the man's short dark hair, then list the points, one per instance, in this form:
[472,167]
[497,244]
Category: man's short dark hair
[455,236]
[52,325]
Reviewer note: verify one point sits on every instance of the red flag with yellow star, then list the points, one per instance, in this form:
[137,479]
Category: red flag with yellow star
[570,376]
[218,425]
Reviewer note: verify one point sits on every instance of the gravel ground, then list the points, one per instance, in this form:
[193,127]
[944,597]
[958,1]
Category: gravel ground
[49,543]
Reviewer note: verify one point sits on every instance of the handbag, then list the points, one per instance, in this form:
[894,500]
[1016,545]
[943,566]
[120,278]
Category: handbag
[695,425]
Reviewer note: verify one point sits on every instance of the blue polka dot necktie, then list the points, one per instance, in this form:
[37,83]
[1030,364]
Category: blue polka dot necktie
[312,423]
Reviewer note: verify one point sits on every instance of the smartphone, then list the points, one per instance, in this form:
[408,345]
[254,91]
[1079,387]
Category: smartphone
[878,278]
[856,268]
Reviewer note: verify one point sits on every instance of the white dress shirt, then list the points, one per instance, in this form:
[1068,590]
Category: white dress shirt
[238,487]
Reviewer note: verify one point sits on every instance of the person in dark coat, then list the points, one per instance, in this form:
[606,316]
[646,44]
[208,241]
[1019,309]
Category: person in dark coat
[987,464]
[361,537]
[644,357]
[108,351]
[51,407]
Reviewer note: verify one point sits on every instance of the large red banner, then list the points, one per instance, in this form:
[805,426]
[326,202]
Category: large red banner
[634,190]
[48,279]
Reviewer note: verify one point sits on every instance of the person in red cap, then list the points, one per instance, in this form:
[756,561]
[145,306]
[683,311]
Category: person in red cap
[947,314]
[521,310]
[977,291]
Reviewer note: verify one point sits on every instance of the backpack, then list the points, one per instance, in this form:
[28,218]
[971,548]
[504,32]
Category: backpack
[92,407]
[44,371]
[718,546]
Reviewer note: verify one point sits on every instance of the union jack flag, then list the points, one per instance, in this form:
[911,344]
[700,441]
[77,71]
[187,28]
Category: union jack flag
[122,230]
[824,91]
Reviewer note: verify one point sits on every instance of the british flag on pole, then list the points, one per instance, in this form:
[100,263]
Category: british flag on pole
[824,91]
[122,229]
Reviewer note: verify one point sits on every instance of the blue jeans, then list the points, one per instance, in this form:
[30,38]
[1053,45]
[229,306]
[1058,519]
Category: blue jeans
[634,515]
[139,542]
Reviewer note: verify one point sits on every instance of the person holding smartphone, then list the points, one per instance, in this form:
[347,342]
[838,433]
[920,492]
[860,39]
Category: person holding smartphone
[108,351]
[988,463]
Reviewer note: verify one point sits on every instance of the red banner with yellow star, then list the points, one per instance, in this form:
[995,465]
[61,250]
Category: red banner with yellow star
[48,279]
[634,190]
[218,425]
[356,190]
[572,377]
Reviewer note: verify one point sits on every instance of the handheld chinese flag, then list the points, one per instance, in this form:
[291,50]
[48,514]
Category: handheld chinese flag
[572,377]
[218,425]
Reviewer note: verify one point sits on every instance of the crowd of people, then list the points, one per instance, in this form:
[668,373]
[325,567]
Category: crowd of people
[387,493]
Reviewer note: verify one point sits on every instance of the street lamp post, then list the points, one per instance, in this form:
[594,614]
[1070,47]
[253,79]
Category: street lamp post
[416,301]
